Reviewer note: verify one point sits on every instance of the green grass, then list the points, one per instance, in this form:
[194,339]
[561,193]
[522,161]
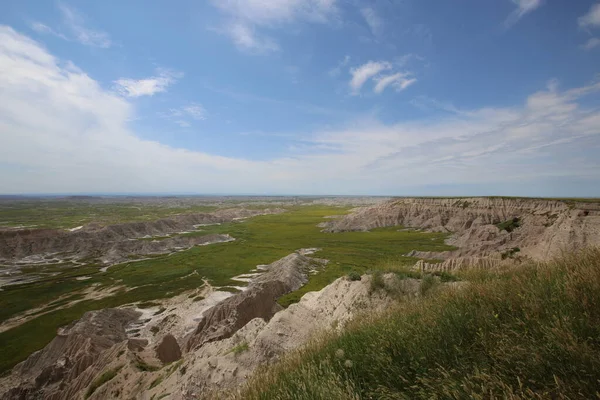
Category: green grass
[259,240]
[156,382]
[532,331]
[47,213]
[240,348]
[101,380]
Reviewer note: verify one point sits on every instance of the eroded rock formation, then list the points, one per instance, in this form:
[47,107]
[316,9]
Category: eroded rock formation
[542,228]
[113,243]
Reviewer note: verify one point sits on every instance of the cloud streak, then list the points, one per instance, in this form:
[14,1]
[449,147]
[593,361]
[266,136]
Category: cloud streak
[591,19]
[75,24]
[524,7]
[147,86]
[361,74]
[373,70]
[246,20]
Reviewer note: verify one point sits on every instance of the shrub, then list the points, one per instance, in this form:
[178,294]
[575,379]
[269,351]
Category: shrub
[354,276]
[377,281]
[427,283]
[509,225]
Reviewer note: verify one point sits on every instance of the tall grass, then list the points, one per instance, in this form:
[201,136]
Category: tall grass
[529,332]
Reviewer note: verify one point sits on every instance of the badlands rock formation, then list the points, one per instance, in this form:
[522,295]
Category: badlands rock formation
[69,364]
[188,349]
[113,243]
[545,227]
[259,300]
[230,341]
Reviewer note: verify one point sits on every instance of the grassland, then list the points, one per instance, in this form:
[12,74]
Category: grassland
[259,240]
[531,331]
[69,214]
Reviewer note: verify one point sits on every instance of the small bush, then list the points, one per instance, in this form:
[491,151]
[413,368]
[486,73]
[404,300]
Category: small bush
[509,225]
[510,253]
[354,276]
[427,282]
[377,281]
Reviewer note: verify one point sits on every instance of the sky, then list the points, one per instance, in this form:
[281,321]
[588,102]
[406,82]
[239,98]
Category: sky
[345,97]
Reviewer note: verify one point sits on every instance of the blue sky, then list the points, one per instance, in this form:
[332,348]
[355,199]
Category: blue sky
[384,97]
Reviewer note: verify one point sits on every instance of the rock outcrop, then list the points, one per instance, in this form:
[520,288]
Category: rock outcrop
[168,350]
[542,228]
[113,242]
[69,363]
[259,300]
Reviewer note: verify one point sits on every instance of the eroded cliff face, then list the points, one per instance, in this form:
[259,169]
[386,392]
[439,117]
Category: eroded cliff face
[542,228]
[69,364]
[113,243]
[259,300]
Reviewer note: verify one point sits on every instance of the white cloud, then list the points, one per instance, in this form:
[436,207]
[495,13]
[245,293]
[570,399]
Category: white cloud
[148,86]
[363,73]
[247,17]
[337,70]
[399,80]
[75,25]
[523,7]
[60,131]
[267,12]
[183,124]
[373,20]
[195,111]
[191,111]
[592,18]
[406,58]
[245,37]
[592,43]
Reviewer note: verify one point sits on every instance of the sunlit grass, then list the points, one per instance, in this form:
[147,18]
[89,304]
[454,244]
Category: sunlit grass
[532,331]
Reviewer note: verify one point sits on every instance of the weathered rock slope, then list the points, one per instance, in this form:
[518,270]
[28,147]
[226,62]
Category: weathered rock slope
[259,300]
[546,227]
[69,364]
[113,241]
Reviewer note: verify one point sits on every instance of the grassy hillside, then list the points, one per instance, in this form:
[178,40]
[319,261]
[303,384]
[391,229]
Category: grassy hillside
[529,332]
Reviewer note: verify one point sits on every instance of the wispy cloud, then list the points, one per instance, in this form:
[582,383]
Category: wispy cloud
[245,37]
[592,43]
[373,70]
[524,7]
[147,86]
[337,70]
[373,20]
[400,81]
[246,20]
[75,28]
[182,115]
[591,19]
[363,73]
